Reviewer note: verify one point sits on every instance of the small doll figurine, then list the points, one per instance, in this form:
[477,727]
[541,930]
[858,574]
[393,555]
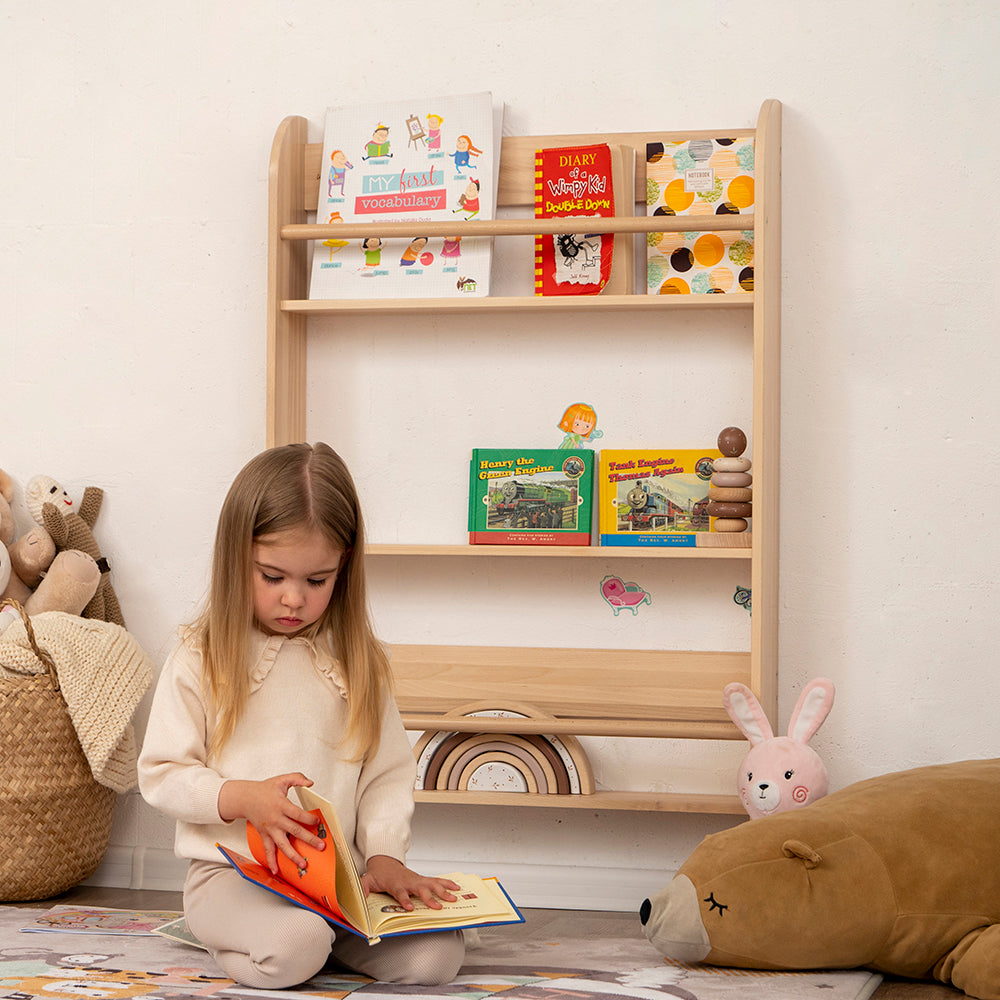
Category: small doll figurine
[580,424]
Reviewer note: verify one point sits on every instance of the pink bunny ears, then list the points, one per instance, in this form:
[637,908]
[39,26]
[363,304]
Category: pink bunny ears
[810,711]
[780,772]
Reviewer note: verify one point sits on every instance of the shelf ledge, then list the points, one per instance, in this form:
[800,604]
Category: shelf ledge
[520,303]
[742,551]
[666,802]
[522,227]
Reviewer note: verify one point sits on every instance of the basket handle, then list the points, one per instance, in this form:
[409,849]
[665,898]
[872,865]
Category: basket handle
[44,657]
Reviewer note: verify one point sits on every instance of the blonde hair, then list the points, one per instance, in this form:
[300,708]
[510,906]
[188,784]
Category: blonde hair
[292,487]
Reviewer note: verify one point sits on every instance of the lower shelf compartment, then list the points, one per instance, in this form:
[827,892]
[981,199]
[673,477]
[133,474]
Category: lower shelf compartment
[523,709]
[668,802]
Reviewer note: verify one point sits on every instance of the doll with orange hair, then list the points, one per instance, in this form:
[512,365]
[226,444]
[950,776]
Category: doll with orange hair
[580,424]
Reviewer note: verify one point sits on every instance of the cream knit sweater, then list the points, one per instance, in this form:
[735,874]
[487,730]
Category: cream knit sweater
[103,673]
[296,712]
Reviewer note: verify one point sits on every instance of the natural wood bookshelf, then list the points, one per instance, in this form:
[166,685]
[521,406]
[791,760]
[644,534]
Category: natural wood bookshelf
[692,708]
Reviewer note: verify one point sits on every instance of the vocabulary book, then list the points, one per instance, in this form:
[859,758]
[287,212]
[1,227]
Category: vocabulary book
[330,885]
[700,177]
[585,181]
[425,159]
[540,496]
[654,496]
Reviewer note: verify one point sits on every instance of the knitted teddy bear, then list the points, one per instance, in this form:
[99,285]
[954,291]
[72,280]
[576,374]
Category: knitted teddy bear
[51,507]
[33,574]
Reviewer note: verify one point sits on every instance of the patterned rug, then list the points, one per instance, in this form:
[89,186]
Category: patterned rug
[62,965]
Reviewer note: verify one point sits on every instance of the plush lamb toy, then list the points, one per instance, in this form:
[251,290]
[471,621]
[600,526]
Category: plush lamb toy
[51,507]
[898,873]
[780,772]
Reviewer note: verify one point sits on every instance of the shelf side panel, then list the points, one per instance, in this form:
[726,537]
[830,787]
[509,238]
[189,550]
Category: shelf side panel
[286,279]
[766,409]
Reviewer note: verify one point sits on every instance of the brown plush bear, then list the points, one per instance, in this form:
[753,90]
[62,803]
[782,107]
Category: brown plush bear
[51,506]
[899,873]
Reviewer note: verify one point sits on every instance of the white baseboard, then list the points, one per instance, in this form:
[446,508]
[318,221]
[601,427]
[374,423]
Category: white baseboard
[532,886]
[140,868]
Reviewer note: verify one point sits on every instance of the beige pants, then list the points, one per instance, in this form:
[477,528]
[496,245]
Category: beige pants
[263,941]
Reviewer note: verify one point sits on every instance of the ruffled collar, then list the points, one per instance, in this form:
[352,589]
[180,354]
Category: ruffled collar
[264,650]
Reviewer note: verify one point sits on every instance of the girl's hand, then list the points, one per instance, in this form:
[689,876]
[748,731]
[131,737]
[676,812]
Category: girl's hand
[266,804]
[385,874]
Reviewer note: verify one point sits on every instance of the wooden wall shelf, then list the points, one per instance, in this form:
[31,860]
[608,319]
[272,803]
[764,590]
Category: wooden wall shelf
[657,693]
[666,802]
[559,551]
[520,303]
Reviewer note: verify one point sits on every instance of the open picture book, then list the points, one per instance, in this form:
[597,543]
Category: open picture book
[330,885]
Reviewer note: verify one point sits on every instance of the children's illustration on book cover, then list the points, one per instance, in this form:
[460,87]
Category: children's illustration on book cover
[654,496]
[429,159]
[573,181]
[700,177]
[530,496]
[71,919]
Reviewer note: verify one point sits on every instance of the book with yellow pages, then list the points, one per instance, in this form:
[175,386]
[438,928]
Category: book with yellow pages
[330,885]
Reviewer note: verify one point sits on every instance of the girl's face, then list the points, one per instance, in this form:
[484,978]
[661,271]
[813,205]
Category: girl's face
[293,577]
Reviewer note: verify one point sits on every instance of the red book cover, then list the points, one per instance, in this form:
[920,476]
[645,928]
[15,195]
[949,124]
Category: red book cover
[573,181]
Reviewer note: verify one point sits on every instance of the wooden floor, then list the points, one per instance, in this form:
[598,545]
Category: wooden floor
[549,924]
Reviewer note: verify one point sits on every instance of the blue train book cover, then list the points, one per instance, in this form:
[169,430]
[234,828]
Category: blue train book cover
[654,496]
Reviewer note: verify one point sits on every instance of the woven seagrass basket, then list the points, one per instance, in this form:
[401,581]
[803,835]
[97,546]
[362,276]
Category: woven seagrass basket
[55,819]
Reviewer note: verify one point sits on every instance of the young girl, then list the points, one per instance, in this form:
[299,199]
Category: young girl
[279,683]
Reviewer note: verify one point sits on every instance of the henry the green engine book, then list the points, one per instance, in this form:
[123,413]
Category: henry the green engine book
[541,496]
[654,496]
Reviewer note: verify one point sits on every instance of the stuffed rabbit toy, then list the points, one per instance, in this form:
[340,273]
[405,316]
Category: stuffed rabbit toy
[780,773]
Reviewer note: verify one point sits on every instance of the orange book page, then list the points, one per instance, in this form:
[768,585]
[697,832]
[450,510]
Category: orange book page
[318,880]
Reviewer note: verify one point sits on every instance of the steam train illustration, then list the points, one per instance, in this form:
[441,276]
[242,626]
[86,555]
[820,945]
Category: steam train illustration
[533,505]
[648,508]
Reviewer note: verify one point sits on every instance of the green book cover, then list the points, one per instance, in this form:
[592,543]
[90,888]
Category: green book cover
[530,496]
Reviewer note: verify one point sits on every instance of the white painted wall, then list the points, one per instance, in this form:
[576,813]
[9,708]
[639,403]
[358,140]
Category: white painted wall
[135,140]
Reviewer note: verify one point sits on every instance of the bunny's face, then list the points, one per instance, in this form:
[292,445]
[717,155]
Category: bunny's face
[779,775]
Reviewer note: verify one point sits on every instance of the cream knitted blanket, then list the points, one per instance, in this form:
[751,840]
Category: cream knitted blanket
[103,673]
